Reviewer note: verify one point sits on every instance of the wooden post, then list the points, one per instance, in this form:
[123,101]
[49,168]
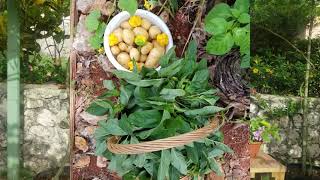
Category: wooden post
[13,91]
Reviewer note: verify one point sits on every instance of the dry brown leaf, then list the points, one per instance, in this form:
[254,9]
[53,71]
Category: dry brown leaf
[81,143]
[82,162]
[91,119]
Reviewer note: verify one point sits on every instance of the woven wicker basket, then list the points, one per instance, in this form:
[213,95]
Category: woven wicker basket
[166,143]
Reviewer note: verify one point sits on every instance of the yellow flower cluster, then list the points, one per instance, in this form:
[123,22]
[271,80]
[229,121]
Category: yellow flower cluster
[148,5]
[162,39]
[255,71]
[140,40]
[130,65]
[135,21]
[39,2]
[101,50]
[113,40]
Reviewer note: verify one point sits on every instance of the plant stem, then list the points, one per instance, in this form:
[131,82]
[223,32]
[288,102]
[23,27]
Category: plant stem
[13,90]
[305,99]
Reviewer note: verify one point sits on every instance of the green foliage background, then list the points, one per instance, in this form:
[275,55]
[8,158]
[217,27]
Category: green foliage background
[36,16]
[276,67]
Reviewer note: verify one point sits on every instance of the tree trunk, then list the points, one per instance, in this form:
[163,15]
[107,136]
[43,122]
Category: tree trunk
[305,100]
[13,90]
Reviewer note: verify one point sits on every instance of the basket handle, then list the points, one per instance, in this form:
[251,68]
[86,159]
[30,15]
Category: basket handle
[162,144]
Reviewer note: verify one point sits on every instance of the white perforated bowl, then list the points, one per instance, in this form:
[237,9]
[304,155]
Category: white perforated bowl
[123,16]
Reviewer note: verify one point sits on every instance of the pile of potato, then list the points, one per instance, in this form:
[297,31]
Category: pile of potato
[125,50]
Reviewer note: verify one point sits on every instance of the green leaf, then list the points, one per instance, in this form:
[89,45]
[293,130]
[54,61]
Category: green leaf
[215,153]
[174,173]
[165,59]
[221,44]
[147,82]
[101,29]
[100,108]
[149,167]
[146,118]
[239,34]
[125,94]
[235,13]
[128,5]
[171,94]
[221,10]
[223,147]
[214,165]
[216,26]
[128,76]
[126,125]
[242,5]
[163,172]
[171,70]
[244,18]
[140,160]
[112,128]
[95,41]
[245,45]
[245,61]
[192,154]
[204,111]
[189,62]
[178,161]
[92,20]
[108,84]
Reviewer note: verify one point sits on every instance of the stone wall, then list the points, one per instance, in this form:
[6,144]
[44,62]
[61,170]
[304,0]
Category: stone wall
[289,149]
[46,126]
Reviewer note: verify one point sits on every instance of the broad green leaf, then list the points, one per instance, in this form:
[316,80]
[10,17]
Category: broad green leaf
[221,44]
[140,160]
[95,41]
[101,146]
[192,153]
[214,165]
[171,70]
[235,12]
[171,94]
[101,29]
[147,82]
[126,125]
[245,61]
[239,34]
[128,5]
[125,94]
[108,84]
[128,76]
[149,167]
[174,174]
[100,133]
[99,107]
[245,45]
[145,119]
[223,147]
[92,20]
[221,10]
[215,153]
[165,59]
[112,127]
[242,5]
[244,18]
[216,26]
[205,111]
[110,93]
[189,62]
[163,172]
[178,161]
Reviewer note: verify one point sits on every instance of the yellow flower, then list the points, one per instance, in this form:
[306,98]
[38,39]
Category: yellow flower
[113,40]
[140,40]
[268,70]
[135,21]
[149,6]
[39,2]
[255,71]
[101,50]
[162,39]
[130,64]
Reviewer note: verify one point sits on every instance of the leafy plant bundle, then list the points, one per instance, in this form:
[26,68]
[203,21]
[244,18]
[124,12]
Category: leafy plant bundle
[230,26]
[262,131]
[153,105]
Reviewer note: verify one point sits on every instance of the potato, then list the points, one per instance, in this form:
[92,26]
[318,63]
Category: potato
[128,36]
[156,44]
[141,31]
[154,31]
[123,46]
[146,48]
[143,58]
[129,48]
[146,24]
[153,58]
[123,58]
[134,54]
[118,34]
[125,25]
[115,50]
